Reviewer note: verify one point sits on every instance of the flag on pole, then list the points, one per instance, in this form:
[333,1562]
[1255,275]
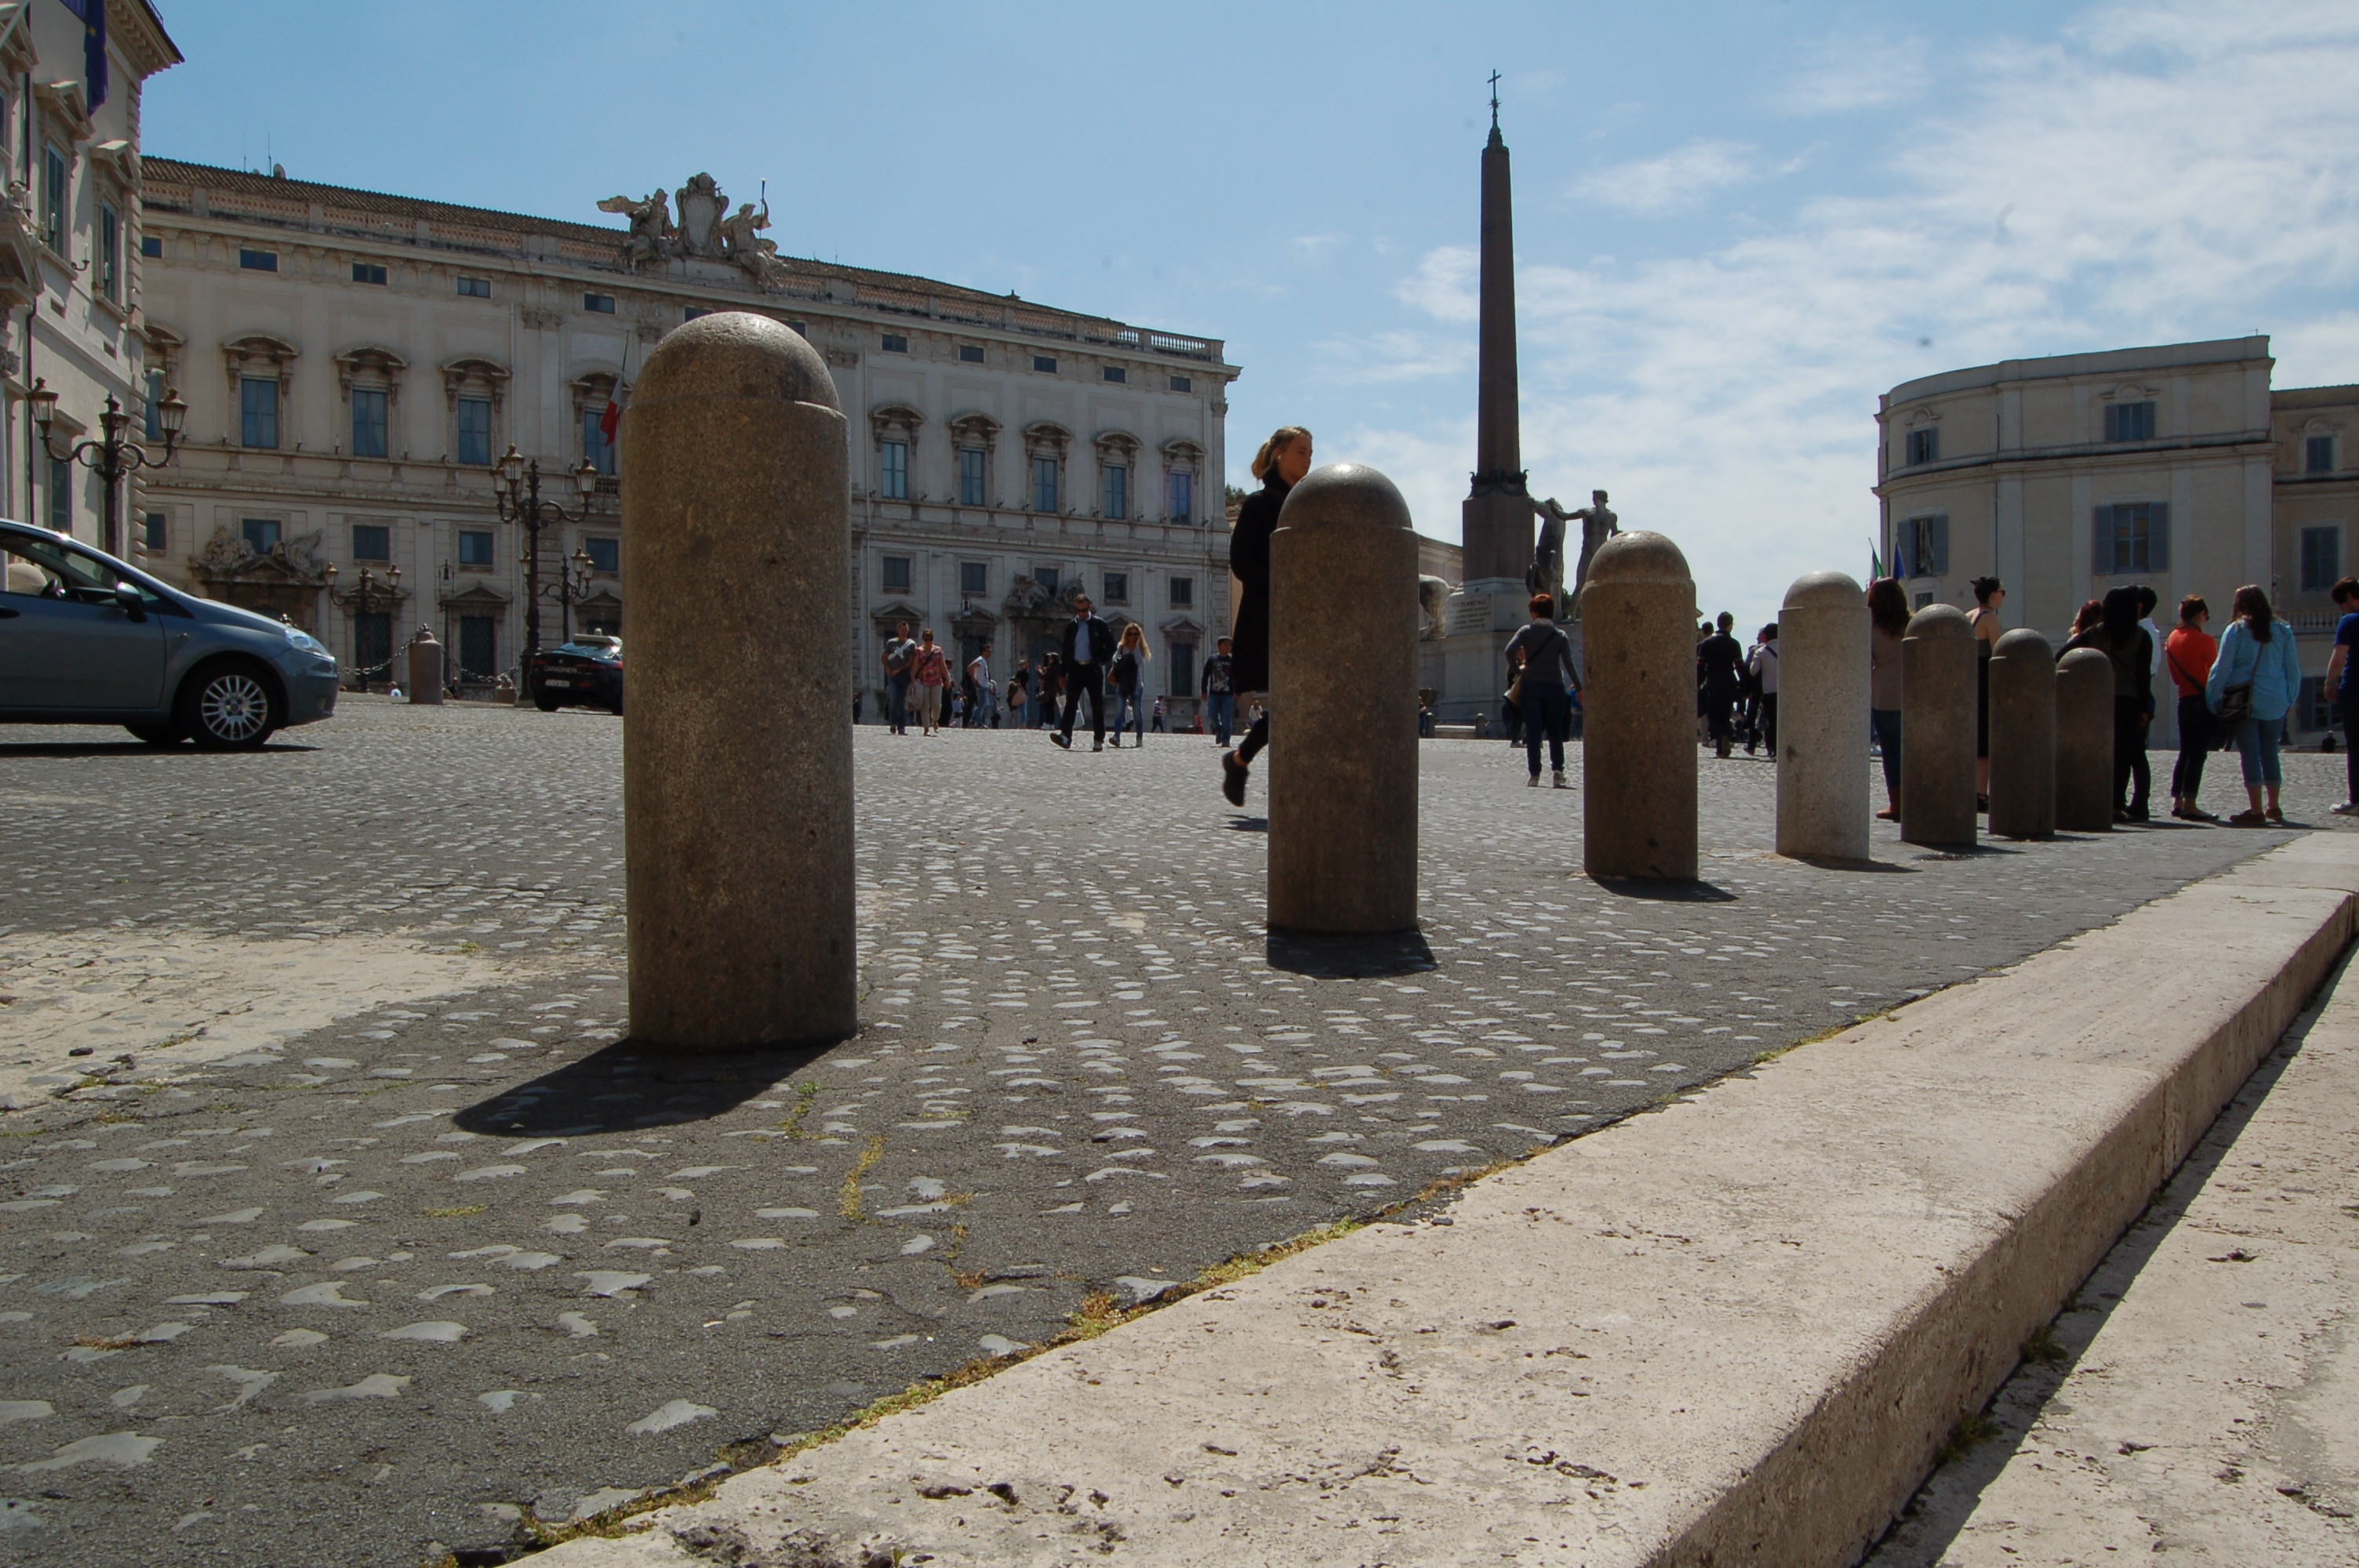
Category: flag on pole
[92,14]
[1874,561]
[612,420]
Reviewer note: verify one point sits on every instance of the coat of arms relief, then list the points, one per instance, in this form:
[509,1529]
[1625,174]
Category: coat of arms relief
[705,228]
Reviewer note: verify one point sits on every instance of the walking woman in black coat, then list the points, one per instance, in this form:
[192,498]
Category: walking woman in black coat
[1281,464]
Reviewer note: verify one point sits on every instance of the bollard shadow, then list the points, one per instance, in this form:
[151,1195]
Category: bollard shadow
[1973,851]
[1247,825]
[1357,957]
[1665,893]
[626,1086]
[1833,864]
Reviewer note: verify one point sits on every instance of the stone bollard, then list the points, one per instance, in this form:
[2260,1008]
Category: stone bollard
[1342,677]
[1823,697]
[2022,736]
[736,758]
[426,667]
[2084,742]
[1638,748]
[1937,728]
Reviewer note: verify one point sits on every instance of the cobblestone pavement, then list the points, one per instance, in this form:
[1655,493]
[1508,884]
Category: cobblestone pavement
[315,1259]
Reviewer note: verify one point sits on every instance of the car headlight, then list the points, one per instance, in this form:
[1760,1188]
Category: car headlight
[302,641]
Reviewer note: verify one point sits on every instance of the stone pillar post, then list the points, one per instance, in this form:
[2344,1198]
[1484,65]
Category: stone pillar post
[1823,697]
[1937,728]
[426,672]
[1638,744]
[2084,742]
[1342,703]
[2022,736]
[736,754]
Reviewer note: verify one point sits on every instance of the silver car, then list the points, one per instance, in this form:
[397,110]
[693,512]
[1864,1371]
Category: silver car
[86,639]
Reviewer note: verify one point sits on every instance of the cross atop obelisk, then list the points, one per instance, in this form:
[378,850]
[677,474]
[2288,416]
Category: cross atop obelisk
[1497,518]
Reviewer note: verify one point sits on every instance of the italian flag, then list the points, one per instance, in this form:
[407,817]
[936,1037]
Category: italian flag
[612,420]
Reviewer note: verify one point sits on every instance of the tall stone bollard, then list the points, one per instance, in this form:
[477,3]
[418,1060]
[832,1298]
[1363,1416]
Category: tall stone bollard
[1822,696]
[2022,736]
[1937,728]
[1342,690]
[736,757]
[2084,742]
[426,672]
[1638,740]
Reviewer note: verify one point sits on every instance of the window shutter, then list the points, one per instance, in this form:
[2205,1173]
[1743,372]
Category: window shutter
[2101,538]
[1937,546]
[2157,547]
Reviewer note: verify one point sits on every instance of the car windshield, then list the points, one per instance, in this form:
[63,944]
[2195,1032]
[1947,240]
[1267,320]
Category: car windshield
[50,570]
[593,647]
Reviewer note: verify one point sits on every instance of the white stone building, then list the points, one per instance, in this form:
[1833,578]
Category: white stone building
[353,362]
[70,82]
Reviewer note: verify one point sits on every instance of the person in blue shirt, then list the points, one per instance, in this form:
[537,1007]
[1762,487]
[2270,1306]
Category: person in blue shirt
[2257,655]
[2343,680]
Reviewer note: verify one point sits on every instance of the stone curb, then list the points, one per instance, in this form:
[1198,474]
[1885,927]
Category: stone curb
[1733,1332]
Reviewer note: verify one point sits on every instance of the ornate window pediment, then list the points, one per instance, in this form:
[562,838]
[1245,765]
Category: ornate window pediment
[260,356]
[67,108]
[895,422]
[371,365]
[1117,446]
[120,159]
[164,346]
[1919,416]
[1181,454]
[1047,439]
[974,430]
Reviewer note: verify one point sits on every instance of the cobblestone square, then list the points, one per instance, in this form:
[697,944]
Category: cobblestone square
[339,1224]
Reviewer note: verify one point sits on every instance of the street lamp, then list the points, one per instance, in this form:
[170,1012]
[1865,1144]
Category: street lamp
[112,456]
[369,594]
[515,488]
[573,587]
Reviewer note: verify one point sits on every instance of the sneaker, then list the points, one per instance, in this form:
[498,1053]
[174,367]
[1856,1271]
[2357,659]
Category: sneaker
[1058,737]
[2348,808]
[1100,746]
[1533,782]
[1233,779]
[2276,814]
[1559,781]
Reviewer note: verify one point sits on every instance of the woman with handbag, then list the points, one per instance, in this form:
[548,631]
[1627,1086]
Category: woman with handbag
[2188,653]
[1129,668]
[2251,689]
[1541,655]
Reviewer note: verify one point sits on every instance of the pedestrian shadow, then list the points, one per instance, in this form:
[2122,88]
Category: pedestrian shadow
[626,1086]
[1349,958]
[1665,893]
[1248,824]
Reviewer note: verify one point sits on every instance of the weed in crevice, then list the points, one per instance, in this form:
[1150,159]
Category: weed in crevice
[849,1205]
[2044,1349]
[793,1125]
[1975,1427]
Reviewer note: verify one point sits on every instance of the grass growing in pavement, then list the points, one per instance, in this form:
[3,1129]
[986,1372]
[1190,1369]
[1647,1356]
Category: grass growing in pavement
[793,1125]
[849,1204]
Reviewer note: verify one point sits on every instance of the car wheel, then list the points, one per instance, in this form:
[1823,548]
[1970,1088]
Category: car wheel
[158,734]
[229,708]
[545,704]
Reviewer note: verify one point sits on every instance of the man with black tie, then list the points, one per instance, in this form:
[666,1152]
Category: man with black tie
[1089,643]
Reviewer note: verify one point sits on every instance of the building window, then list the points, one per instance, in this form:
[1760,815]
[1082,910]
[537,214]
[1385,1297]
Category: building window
[1044,364]
[1050,577]
[261,534]
[151,417]
[598,303]
[368,422]
[1924,547]
[61,495]
[974,577]
[1181,660]
[895,464]
[1118,588]
[158,537]
[1116,374]
[2129,421]
[893,343]
[258,261]
[969,354]
[258,412]
[1117,491]
[2131,536]
[2316,708]
[595,449]
[1043,484]
[367,272]
[152,246]
[1181,383]
[2322,557]
[896,573]
[474,547]
[971,471]
[2317,455]
[54,199]
[475,287]
[478,646]
[1183,592]
[372,542]
[694,312]
[1183,496]
[475,431]
[1924,446]
[605,553]
[109,253]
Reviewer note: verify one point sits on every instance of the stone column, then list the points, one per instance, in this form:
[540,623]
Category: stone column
[736,750]
[2084,742]
[1638,744]
[426,673]
[1823,697]
[1937,728]
[2022,736]
[1342,703]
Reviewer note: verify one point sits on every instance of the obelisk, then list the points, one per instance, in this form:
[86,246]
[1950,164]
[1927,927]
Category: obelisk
[1497,518]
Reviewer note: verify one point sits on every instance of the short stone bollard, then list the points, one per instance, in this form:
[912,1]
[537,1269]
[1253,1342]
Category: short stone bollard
[1937,728]
[736,758]
[1342,703]
[1638,742]
[2022,736]
[1823,697]
[426,673]
[2084,742]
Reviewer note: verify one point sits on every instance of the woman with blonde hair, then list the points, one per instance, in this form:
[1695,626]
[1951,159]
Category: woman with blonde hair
[1128,670]
[1281,464]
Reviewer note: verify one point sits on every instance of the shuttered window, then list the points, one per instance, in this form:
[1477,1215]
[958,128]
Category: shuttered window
[2130,536]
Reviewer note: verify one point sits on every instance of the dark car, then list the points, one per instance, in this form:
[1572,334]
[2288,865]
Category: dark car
[586,673]
[88,639]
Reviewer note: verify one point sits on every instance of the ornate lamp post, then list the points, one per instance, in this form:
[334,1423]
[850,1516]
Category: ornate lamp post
[369,594]
[516,485]
[573,587]
[110,457]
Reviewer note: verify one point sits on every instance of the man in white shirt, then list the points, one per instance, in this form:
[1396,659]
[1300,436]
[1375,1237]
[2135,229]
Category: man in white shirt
[1089,643]
[986,696]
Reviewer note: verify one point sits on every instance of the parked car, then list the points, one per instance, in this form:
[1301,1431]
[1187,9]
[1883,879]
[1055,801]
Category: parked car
[586,673]
[87,639]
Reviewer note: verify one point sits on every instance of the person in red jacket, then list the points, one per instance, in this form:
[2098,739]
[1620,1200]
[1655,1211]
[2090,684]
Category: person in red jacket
[2188,653]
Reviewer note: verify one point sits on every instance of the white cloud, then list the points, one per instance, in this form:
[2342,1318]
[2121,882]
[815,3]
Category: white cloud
[1842,73]
[1443,284]
[1396,356]
[1675,179]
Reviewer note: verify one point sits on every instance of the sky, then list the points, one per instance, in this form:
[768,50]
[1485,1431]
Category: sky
[1736,224]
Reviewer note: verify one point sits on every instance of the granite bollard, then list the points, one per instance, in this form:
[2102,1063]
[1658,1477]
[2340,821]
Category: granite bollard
[1937,728]
[426,673]
[736,755]
[1822,696]
[2084,742]
[1342,680]
[1639,739]
[2022,736]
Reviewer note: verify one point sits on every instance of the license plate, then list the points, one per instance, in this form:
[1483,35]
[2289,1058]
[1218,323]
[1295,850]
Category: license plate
[546,680]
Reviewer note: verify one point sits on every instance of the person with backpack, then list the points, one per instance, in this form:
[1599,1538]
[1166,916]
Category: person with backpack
[1541,655]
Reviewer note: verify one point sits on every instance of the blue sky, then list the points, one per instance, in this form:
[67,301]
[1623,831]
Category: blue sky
[1736,224]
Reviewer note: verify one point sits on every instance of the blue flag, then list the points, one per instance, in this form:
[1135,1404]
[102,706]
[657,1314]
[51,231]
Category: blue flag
[94,47]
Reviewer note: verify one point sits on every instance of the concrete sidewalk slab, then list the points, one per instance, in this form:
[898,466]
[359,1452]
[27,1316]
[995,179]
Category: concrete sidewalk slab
[1733,1332]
